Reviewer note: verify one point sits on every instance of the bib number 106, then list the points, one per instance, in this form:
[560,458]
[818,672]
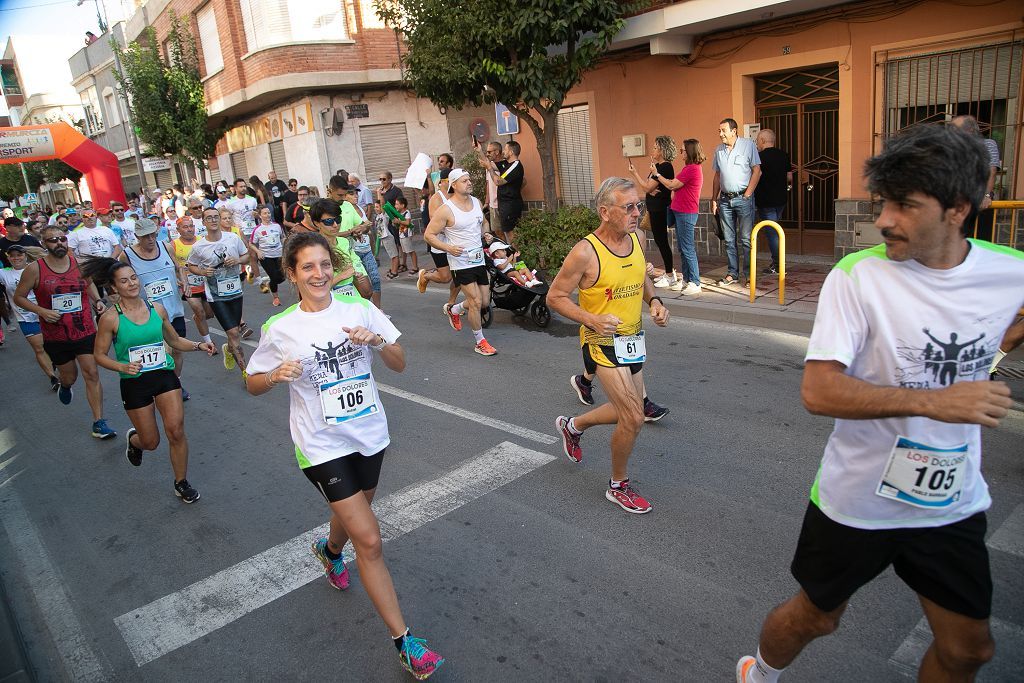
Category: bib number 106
[351,399]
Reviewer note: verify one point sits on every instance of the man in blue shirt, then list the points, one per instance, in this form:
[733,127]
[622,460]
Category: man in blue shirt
[737,168]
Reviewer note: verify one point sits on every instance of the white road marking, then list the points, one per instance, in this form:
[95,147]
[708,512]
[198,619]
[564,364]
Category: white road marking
[47,586]
[6,440]
[1009,537]
[501,425]
[1009,646]
[176,620]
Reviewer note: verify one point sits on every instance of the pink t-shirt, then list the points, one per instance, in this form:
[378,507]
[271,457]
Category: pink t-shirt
[687,198]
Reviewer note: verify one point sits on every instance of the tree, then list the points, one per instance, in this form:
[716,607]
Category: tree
[526,55]
[166,98]
[12,184]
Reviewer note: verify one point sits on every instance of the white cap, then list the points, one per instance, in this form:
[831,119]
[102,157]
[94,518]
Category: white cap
[496,245]
[456,174]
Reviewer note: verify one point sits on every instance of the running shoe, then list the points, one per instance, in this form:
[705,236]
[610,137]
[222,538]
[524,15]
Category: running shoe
[421,280]
[570,441]
[484,348]
[245,329]
[133,454]
[265,287]
[101,431]
[184,490]
[65,394]
[185,395]
[653,412]
[229,358]
[628,498]
[276,301]
[337,572]
[661,282]
[417,659]
[743,667]
[584,391]
[454,319]
[54,383]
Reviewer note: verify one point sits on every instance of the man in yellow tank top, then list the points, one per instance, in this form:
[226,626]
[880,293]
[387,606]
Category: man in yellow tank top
[608,269]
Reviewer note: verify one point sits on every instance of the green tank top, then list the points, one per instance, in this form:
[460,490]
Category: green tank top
[141,343]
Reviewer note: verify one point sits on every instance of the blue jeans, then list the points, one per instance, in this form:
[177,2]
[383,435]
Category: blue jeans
[685,223]
[771,213]
[370,263]
[737,216]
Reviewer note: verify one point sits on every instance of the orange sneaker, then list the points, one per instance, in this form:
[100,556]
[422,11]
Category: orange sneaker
[421,281]
[485,349]
[453,318]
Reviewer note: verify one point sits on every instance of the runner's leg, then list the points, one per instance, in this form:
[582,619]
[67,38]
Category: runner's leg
[471,294]
[93,388]
[172,412]
[147,434]
[791,626]
[338,537]
[235,346]
[960,647]
[68,373]
[44,362]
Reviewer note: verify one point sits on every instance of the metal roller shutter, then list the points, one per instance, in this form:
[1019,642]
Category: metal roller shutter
[278,161]
[215,176]
[385,148]
[575,164]
[238,167]
[164,179]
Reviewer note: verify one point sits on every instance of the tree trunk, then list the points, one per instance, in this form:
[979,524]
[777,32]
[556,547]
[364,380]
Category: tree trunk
[546,150]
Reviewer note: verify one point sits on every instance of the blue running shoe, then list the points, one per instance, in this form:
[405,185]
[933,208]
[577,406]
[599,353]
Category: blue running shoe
[101,431]
[65,394]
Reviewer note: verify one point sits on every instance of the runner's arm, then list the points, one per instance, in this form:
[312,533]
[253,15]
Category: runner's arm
[171,335]
[827,390]
[106,327]
[28,282]
[659,313]
[438,222]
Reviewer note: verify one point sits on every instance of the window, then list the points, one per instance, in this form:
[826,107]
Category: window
[209,40]
[385,148]
[111,108]
[278,22]
[93,115]
[575,165]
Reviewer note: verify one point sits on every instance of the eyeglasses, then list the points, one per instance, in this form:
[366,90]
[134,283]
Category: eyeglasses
[211,217]
[329,221]
[629,208]
[54,240]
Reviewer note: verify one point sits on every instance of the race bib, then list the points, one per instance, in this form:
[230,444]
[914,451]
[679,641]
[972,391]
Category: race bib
[270,241]
[228,285]
[348,399]
[149,356]
[348,289]
[630,348]
[469,258]
[196,280]
[159,289]
[67,303]
[923,476]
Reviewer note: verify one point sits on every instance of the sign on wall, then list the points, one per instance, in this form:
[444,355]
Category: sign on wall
[154,164]
[508,123]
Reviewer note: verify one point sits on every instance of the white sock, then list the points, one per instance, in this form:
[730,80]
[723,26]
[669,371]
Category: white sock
[1000,355]
[206,338]
[761,672]
[458,309]
[478,335]
[573,428]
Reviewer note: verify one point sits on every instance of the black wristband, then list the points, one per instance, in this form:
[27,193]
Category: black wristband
[652,301]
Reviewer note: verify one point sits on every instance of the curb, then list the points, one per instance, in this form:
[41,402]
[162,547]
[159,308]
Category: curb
[783,321]
[14,666]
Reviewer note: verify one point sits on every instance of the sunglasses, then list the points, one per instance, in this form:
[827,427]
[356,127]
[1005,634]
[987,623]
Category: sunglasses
[383,180]
[329,221]
[638,206]
[54,240]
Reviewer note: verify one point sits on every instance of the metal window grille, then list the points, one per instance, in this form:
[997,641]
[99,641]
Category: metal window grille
[575,164]
[238,167]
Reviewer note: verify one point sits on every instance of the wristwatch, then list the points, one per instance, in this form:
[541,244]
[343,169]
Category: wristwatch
[383,343]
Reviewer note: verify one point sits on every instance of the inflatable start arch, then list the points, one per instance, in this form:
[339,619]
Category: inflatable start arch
[61,141]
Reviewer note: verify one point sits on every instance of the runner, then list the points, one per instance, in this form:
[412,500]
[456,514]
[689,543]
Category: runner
[350,276]
[123,225]
[193,286]
[461,219]
[227,224]
[91,240]
[27,320]
[243,208]
[322,347]
[139,329]
[266,243]
[219,257]
[64,302]
[900,482]
[441,274]
[607,267]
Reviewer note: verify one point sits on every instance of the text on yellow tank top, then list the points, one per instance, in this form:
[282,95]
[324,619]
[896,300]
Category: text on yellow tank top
[181,251]
[619,290]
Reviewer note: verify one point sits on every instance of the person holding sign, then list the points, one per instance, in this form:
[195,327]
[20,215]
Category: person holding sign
[608,269]
[138,327]
[900,482]
[65,302]
[322,349]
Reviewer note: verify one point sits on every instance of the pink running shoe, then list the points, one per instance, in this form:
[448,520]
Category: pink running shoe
[417,658]
[570,440]
[629,499]
[337,572]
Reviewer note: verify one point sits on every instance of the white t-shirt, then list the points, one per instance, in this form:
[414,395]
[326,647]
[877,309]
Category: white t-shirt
[197,223]
[349,417]
[243,209]
[466,233]
[97,241]
[901,324]
[268,239]
[224,284]
[127,227]
[10,277]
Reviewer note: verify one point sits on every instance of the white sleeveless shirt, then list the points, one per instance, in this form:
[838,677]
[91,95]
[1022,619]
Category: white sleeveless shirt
[466,233]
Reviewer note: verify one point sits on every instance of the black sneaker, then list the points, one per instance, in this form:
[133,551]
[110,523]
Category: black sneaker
[54,383]
[132,453]
[653,412]
[245,330]
[771,269]
[184,490]
[584,391]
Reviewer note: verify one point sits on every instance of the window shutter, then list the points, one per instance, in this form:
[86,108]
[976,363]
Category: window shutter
[385,148]
[278,161]
[209,39]
[575,165]
[238,166]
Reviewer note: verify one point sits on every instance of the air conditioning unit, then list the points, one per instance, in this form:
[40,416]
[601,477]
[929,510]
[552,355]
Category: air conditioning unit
[634,145]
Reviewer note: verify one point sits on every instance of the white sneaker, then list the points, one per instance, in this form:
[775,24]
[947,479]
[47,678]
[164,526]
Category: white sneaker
[662,282]
[691,289]
[677,285]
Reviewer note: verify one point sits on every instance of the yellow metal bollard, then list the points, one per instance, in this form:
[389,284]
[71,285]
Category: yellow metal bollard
[782,259]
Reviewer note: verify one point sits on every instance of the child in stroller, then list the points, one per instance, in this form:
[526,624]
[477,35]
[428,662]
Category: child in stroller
[506,261]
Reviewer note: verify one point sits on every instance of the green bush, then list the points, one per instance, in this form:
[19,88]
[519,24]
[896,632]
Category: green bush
[471,163]
[545,238]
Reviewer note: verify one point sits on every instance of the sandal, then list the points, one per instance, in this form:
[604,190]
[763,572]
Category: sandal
[402,269]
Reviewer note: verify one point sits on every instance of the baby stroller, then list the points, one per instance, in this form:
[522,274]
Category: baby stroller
[508,295]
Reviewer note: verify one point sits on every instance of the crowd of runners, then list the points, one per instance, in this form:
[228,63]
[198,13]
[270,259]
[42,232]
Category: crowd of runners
[900,482]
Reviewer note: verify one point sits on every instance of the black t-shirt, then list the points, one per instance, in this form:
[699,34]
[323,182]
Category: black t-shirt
[291,197]
[295,212]
[771,188]
[512,190]
[276,190]
[6,243]
[391,194]
[662,196]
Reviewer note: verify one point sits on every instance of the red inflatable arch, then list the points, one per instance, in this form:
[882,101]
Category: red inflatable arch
[61,141]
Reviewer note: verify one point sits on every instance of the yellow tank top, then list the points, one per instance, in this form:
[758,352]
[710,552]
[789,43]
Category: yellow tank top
[619,290]
[181,251]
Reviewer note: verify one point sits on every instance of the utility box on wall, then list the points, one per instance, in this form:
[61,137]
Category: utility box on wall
[750,130]
[634,145]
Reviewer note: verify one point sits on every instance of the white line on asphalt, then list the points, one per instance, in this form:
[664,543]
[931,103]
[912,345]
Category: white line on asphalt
[176,620]
[1009,644]
[47,588]
[501,425]
[6,440]
[1009,537]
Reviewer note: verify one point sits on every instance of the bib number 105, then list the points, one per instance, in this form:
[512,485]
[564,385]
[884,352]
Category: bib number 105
[937,479]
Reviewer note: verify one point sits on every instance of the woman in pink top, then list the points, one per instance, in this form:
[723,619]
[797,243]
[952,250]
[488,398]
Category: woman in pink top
[684,209]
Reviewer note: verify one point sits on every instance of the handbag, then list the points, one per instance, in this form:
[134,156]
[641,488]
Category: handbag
[645,222]
[718,227]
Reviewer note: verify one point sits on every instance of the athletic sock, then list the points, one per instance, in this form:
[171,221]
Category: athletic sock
[762,673]
[613,484]
[585,382]
[397,640]
[330,555]
[478,335]
[1000,355]
[572,427]
[207,339]
[457,309]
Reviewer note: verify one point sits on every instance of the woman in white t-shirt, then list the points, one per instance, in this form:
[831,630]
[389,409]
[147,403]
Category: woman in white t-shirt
[266,243]
[323,348]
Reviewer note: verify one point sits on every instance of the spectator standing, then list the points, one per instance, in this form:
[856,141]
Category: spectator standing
[986,215]
[737,172]
[276,190]
[296,210]
[290,197]
[388,193]
[657,201]
[683,211]
[773,189]
[16,234]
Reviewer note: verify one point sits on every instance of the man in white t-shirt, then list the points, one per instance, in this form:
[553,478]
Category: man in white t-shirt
[243,207]
[899,355]
[124,224]
[91,240]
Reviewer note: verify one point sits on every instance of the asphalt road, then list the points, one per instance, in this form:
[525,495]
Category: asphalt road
[534,576]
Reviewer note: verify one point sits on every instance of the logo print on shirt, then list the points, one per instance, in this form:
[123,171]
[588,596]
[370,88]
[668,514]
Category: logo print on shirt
[943,359]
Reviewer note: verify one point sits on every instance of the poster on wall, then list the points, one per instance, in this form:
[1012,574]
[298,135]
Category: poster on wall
[303,119]
[288,122]
[275,126]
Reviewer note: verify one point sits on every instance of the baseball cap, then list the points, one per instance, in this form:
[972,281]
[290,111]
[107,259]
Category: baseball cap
[144,227]
[16,247]
[158,191]
[70,212]
[496,245]
[456,175]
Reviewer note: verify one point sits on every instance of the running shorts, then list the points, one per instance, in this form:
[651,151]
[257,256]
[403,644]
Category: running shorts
[228,312]
[594,355]
[946,564]
[345,476]
[61,352]
[440,260]
[179,325]
[467,276]
[139,392]
[29,329]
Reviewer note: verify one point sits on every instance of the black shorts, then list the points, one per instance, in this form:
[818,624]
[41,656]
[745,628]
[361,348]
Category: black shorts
[346,476]
[139,392]
[467,276]
[509,213]
[179,326]
[201,295]
[61,352]
[946,564]
[590,365]
[228,312]
[440,260]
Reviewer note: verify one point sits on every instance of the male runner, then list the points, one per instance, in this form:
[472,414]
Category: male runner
[608,269]
[65,303]
[193,286]
[900,483]
[461,219]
